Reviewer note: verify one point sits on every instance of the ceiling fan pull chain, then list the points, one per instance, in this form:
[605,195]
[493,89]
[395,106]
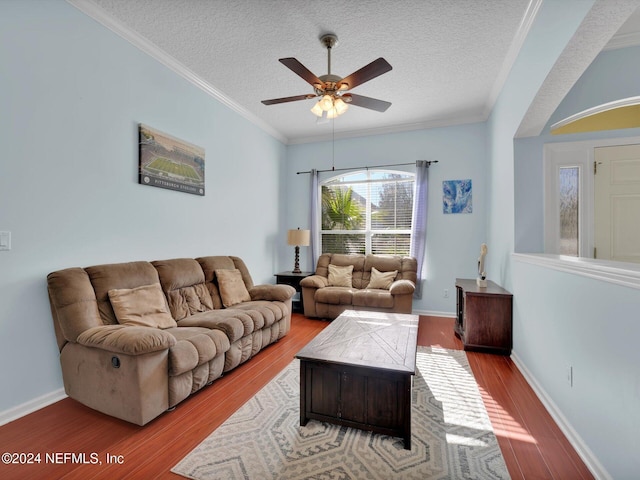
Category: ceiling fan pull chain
[333,144]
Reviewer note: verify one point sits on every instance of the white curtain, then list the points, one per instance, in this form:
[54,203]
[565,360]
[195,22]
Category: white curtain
[315,220]
[419,220]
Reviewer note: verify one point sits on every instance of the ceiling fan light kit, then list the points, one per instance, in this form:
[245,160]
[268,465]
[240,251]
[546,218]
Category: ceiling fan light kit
[330,106]
[331,88]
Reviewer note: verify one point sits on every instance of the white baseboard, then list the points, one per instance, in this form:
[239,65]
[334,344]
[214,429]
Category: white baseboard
[31,406]
[587,456]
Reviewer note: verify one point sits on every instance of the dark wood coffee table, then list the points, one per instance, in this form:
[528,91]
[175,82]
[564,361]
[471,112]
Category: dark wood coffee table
[357,372]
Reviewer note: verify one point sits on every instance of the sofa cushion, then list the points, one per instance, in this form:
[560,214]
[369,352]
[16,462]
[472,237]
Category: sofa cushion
[335,295]
[234,323]
[381,280]
[142,306]
[209,266]
[341,260]
[406,266]
[340,276]
[265,313]
[183,283]
[118,275]
[232,287]
[372,299]
[195,346]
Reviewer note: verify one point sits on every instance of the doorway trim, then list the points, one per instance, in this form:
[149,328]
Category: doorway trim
[574,153]
[620,273]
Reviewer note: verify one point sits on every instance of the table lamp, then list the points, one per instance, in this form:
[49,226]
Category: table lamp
[298,238]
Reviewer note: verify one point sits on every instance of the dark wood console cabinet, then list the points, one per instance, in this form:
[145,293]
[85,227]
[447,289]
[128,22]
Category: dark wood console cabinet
[484,316]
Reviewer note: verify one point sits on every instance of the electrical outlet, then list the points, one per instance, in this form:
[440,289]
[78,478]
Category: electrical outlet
[445,294]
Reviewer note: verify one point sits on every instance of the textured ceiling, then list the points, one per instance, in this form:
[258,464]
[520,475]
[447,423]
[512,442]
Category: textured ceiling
[449,58]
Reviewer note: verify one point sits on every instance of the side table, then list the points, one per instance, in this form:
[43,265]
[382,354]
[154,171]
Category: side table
[484,317]
[293,279]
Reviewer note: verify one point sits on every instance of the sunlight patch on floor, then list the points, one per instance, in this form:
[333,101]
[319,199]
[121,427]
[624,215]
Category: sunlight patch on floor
[466,441]
[464,411]
[464,403]
[504,425]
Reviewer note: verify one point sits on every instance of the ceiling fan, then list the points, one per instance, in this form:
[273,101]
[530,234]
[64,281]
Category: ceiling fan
[331,88]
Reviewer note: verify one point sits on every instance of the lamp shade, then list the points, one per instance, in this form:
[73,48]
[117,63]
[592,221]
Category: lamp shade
[298,237]
[317,110]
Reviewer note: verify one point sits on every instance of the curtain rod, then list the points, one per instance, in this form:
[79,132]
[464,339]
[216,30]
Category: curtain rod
[429,162]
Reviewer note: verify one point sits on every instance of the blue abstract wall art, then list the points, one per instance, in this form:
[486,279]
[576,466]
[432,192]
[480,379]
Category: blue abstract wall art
[456,196]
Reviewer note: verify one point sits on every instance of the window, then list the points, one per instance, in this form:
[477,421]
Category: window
[568,199]
[367,212]
[569,183]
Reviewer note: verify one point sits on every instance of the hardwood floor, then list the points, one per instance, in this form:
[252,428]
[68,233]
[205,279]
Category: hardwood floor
[532,445]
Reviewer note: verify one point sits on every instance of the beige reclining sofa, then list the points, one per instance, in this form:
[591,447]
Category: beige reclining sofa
[361,282]
[137,338]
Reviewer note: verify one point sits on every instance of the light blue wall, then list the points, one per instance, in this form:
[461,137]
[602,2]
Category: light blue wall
[72,94]
[613,75]
[561,319]
[453,241]
[529,195]
[554,26]
[567,320]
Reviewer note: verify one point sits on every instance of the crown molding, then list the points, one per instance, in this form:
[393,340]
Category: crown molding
[92,10]
[98,14]
[403,127]
[623,41]
[512,54]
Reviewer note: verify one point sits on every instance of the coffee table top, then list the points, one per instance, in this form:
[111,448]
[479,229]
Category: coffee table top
[371,339]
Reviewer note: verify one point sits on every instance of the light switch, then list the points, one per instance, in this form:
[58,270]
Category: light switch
[5,240]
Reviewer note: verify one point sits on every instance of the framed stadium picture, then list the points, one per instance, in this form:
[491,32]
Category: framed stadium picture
[167,162]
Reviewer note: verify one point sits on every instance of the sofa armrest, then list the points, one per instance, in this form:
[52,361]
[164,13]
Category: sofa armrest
[402,287]
[125,339]
[314,281]
[278,293]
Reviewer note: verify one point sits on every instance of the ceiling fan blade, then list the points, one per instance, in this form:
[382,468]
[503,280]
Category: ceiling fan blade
[366,73]
[296,67]
[273,101]
[366,102]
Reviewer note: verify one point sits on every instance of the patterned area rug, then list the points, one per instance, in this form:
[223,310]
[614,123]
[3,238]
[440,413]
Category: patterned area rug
[452,437]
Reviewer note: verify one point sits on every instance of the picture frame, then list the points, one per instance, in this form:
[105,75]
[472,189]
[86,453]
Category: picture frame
[457,196]
[170,163]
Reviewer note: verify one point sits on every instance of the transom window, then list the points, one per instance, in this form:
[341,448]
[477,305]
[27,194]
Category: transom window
[367,212]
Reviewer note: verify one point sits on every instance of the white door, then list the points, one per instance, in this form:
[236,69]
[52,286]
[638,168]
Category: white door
[617,203]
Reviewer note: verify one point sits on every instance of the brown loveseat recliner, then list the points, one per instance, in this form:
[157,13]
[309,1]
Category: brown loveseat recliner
[137,338]
[323,300]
